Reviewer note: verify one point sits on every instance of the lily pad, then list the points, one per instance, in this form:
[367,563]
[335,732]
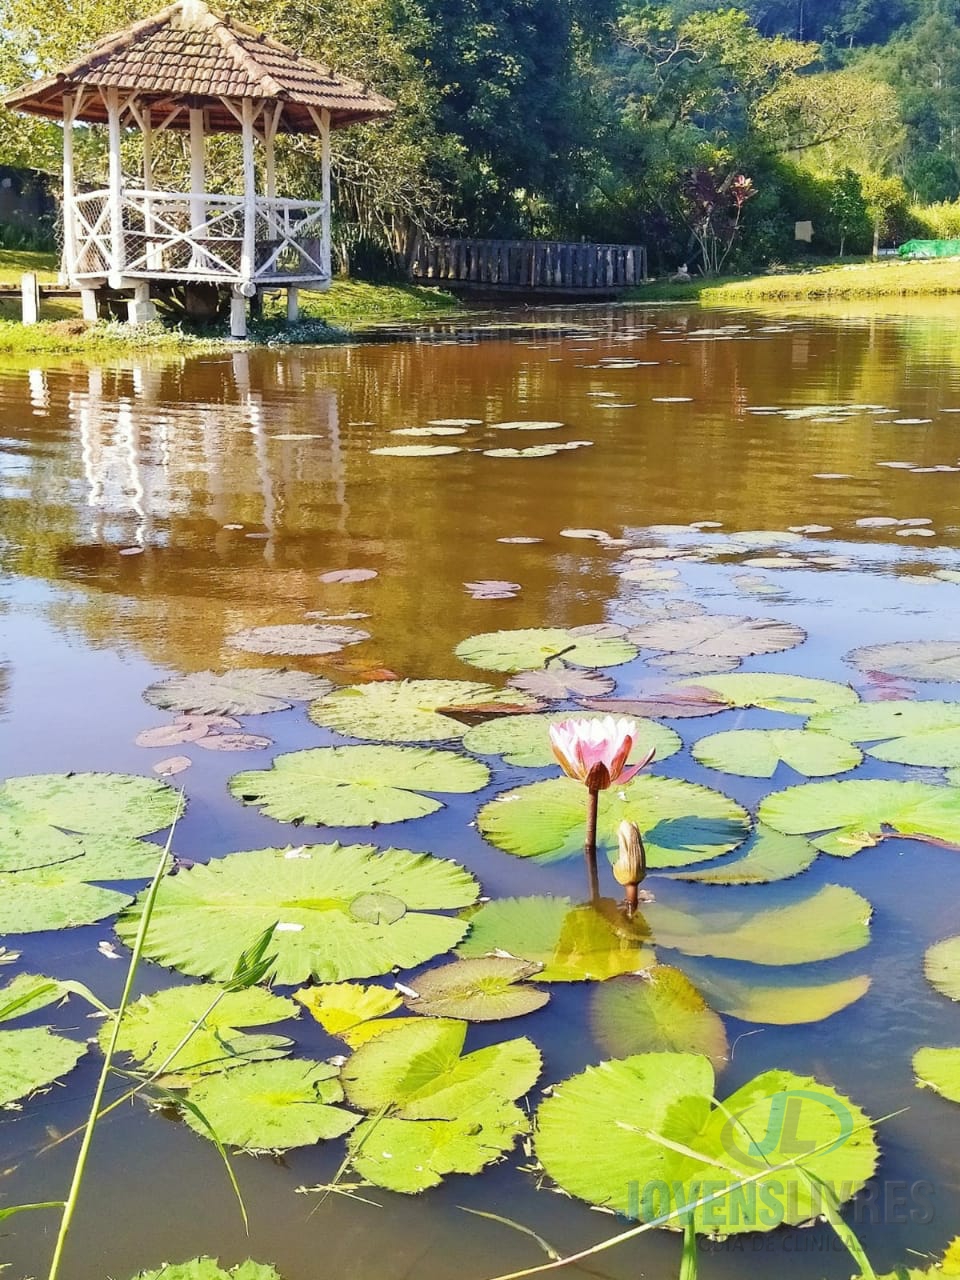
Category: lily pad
[438,430]
[844,817]
[297,638]
[246,692]
[766,857]
[348,575]
[659,1011]
[155,1025]
[407,710]
[938,1069]
[764,999]
[205,917]
[831,922]
[437,1112]
[611,1135]
[911,659]
[349,1011]
[718,636]
[941,965]
[27,993]
[32,1058]
[794,695]
[209,1269]
[693,664]
[486,989]
[672,704]
[758,753]
[416,450]
[271,1106]
[560,681]
[525,740]
[533,647]
[682,822]
[904,731]
[357,786]
[573,943]
[525,426]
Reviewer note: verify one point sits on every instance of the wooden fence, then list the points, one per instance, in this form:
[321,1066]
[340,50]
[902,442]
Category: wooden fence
[529,265]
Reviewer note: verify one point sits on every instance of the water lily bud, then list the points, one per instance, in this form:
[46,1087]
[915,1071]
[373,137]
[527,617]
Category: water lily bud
[631,864]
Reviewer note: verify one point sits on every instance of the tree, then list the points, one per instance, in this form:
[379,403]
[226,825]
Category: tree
[848,209]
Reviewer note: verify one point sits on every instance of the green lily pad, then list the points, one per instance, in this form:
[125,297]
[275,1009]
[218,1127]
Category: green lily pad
[767,856]
[525,739]
[271,1106]
[768,999]
[758,753]
[351,1012]
[154,1026]
[941,965]
[438,1111]
[573,943]
[204,918]
[610,1136]
[906,732]
[828,923]
[718,636]
[851,816]
[527,649]
[407,710]
[27,993]
[938,1069]
[681,822]
[911,659]
[357,786]
[486,989]
[310,639]
[795,695]
[33,1057]
[251,691]
[660,1010]
[210,1269]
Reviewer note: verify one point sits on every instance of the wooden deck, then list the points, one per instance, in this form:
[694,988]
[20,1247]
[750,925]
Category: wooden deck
[528,266]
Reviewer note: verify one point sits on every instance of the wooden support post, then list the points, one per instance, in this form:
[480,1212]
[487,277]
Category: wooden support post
[69,191]
[270,126]
[238,314]
[325,190]
[117,248]
[30,298]
[248,251]
[198,177]
[293,304]
[154,258]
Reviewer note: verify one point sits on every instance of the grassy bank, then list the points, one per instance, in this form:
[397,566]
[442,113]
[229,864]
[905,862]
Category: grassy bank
[840,280]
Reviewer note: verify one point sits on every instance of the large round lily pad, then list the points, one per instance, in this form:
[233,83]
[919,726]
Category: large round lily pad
[758,753]
[271,1106]
[718,636]
[611,1135]
[939,1069]
[560,681]
[572,943]
[357,786]
[33,1057]
[767,856]
[486,989]
[681,822]
[906,732]
[941,964]
[660,1010]
[525,739]
[795,695]
[525,650]
[408,710]
[844,817]
[205,918]
[911,659]
[309,639]
[245,692]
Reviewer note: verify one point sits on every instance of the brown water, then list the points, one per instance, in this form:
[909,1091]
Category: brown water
[233,482]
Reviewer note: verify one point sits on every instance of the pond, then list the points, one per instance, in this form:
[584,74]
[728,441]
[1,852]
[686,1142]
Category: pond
[798,470]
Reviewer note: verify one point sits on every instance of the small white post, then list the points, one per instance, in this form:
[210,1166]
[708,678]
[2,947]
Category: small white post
[153,257]
[325,190]
[140,310]
[30,298]
[238,314]
[115,272]
[69,191]
[198,177]
[249,250]
[293,304]
[88,305]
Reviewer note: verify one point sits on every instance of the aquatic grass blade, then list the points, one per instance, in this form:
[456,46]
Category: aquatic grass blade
[689,1264]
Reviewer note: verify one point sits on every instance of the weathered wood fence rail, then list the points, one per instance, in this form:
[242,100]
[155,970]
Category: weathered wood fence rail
[529,264]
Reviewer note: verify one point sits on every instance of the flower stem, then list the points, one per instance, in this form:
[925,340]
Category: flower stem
[590,844]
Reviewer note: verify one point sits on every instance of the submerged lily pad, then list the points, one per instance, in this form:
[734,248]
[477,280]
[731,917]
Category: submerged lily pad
[407,710]
[911,659]
[767,856]
[611,1135]
[32,1058]
[660,1010]
[209,1269]
[245,692]
[357,786]
[437,1112]
[907,732]
[758,753]
[297,638]
[941,965]
[673,704]
[271,1106]
[525,740]
[765,998]
[573,942]
[718,636]
[486,989]
[205,917]
[844,817]
[155,1025]
[682,822]
[794,695]
[527,649]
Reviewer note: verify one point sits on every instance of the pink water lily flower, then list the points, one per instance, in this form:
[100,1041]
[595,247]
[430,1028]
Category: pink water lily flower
[595,752]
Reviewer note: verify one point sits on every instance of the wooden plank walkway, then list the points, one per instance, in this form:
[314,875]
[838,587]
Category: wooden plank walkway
[529,266]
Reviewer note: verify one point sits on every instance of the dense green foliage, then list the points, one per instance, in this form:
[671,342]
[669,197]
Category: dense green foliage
[703,130]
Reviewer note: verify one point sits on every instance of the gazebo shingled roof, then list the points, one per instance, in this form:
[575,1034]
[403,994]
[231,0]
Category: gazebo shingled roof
[189,51]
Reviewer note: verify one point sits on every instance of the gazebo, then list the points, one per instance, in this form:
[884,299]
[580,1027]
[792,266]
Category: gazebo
[192,69]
